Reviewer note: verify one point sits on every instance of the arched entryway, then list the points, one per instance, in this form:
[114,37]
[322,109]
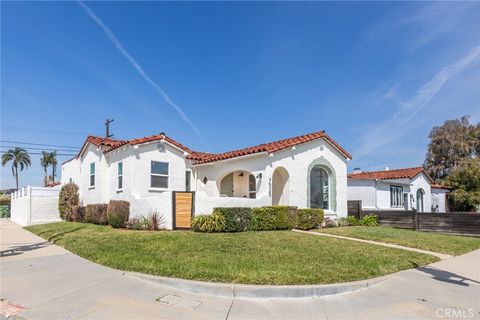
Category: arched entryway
[420,200]
[280,186]
[239,184]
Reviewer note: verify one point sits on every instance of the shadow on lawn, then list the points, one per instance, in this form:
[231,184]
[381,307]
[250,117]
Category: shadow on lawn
[445,276]
[57,236]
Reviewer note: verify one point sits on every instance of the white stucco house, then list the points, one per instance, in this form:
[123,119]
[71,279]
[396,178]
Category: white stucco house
[398,189]
[308,171]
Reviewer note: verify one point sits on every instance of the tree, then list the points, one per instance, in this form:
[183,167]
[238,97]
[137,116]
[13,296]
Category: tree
[53,163]
[45,162]
[449,144]
[465,181]
[19,158]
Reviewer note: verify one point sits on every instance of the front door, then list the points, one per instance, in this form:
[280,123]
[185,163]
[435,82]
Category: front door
[183,209]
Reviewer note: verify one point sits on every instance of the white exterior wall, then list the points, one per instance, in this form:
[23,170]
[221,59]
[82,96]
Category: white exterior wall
[375,194]
[439,199]
[35,205]
[297,162]
[136,177]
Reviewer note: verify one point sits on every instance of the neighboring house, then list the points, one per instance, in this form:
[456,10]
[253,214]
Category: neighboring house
[308,171]
[399,189]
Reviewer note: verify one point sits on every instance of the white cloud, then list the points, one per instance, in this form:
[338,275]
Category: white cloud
[118,45]
[400,122]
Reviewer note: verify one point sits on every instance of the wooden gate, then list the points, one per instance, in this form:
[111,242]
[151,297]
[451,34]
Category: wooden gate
[183,209]
[354,208]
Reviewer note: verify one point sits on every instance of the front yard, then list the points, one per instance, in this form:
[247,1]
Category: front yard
[268,257]
[436,242]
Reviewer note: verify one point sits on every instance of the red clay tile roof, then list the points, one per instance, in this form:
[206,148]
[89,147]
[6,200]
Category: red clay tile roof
[440,186]
[409,173]
[272,147]
[53,184]
[204,157]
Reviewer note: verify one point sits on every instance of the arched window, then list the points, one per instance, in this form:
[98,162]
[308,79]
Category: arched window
[319,188]
[420,194]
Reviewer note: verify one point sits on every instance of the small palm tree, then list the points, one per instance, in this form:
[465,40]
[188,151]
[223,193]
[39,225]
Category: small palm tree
[20,159]
[45,162]
[53,163]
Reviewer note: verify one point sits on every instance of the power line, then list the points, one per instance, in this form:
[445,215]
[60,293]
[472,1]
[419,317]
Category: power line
[58,154]
[40,144]
[43,149]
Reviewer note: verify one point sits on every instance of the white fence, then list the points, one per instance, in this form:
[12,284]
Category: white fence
[35,205]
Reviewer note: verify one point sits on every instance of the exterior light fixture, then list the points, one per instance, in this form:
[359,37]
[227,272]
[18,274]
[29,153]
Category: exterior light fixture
[259,176]
[205,180]
[241,174]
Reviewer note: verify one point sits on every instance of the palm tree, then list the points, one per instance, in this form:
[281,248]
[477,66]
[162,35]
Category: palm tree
[19,158]
[45,162]
[53,163]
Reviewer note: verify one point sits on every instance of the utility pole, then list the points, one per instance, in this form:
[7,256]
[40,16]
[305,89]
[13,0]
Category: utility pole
[107,128]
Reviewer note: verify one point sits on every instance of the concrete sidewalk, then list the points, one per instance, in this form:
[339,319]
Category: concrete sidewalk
[52,283]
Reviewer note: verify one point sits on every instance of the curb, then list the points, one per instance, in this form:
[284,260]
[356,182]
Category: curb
[232,290]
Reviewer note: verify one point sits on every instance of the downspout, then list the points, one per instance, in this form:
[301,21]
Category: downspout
[376,183]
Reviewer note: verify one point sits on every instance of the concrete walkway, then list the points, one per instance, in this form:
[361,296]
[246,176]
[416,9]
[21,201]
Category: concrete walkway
[442,256]
[52,283]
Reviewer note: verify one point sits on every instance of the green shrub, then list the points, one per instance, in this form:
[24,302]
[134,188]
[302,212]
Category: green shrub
[370,220]
[4,211]
[76,214]
[353,221]
[96,213]
[118,212]
[67,199]
[272,218]
[136,223]
[236,219]
[309,218]
[5,200]
[209,223]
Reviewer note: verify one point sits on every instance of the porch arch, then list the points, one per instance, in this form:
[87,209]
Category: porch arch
[280,186]
[237,184]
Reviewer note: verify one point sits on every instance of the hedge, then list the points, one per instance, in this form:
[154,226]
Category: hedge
[308,218]
[214,222]
[236,219]
[96,213]
[76,214]
[118,212]
[272,218]
[67,199]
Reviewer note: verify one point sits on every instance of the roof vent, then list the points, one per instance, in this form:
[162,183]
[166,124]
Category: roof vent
[357,170]
[386,168]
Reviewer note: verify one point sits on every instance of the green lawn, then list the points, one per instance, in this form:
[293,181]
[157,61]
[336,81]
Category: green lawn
[436,242]
[270,257]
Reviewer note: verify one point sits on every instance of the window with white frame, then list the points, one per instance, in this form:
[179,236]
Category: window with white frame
[396,196]
[120,176]
[92,174]
[159,175]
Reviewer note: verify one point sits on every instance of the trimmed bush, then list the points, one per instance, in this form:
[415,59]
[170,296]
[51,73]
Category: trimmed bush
[118,212]
[309,218]
[209,223]
[272,218]
[370,220]
[5,200]
[76,214]
[236,219]
[67,199]
[96,213]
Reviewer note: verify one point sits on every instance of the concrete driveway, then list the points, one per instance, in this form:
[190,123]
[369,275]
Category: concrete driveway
[52,283]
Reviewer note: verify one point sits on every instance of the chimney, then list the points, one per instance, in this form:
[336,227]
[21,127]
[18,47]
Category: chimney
[357,170]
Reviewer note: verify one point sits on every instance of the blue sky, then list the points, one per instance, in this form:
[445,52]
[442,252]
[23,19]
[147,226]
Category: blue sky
[218,76]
